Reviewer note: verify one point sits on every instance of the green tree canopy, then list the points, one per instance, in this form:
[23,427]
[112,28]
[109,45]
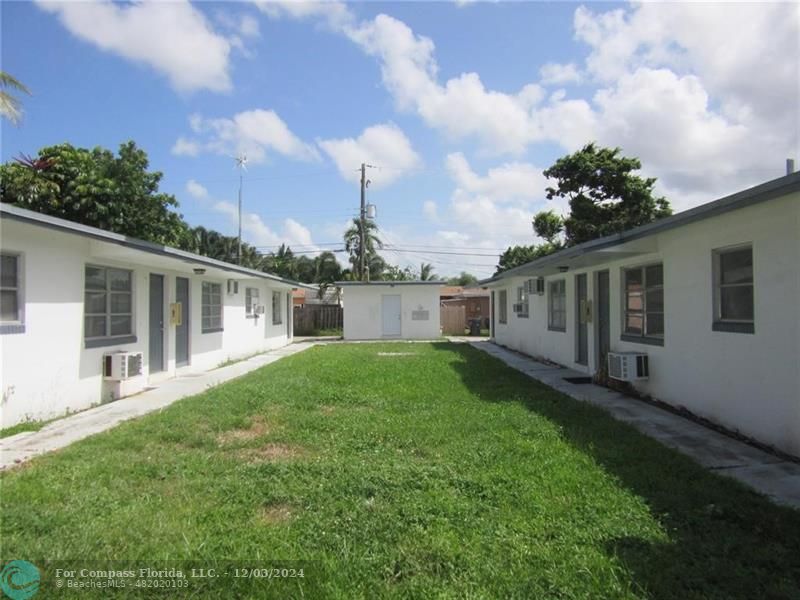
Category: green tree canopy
[604,195]
[10,105]
[516,256]
[97,188]
[463,279]
[352,245]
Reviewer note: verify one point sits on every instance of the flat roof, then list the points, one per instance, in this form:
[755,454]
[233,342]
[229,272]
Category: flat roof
[30,217]
[389,283]
[775,188]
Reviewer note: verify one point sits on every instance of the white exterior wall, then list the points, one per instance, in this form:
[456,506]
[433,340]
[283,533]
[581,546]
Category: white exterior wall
[745,382]
[363,315]
[47,371]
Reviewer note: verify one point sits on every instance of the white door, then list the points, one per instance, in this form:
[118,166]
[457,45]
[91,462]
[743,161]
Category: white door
[391,315]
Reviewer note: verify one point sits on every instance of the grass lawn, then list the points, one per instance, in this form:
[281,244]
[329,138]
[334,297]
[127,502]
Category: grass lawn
[436,473]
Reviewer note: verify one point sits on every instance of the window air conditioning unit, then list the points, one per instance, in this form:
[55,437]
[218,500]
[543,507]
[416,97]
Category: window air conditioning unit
[628,366]
[122,365]
[260,309]
[233,287]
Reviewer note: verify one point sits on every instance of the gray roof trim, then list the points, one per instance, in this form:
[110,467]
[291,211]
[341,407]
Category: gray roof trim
[387,283]
[761,193]
[30,217]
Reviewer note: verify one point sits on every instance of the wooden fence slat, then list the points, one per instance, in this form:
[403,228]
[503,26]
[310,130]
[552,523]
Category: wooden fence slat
[310,318]
[453,319]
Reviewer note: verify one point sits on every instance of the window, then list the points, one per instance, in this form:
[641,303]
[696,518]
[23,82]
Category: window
[11,304]
[251,301]
[212,307]
[522,300]
[733,290]
[503,312]
[276,308]
[108,304]
[644,304]
[557,306]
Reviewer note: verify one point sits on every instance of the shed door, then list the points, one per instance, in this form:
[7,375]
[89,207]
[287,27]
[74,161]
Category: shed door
[182,329]
[390,310]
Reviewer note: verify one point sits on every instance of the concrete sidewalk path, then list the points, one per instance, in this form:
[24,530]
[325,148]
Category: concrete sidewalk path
[19,448]
[766,473]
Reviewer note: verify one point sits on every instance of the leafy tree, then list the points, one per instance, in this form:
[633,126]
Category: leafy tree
[352,244]
[280,263]
[519,255]
[395,273]
[10,105]
[604,195]
[463,279]
[426,272]
[548,226]
[326,268]
[97,188]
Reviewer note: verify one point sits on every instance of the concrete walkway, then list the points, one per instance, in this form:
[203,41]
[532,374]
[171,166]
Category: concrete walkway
[20,448]
[776,478]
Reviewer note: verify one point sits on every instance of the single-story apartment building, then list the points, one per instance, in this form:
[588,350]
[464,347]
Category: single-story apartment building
[377,310]
[711,296]
[89,315]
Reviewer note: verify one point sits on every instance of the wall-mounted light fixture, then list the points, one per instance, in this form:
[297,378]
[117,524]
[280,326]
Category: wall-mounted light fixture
[199,271]
[563,269]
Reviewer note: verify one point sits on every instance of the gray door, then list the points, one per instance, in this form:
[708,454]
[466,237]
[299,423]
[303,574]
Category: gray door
[390,311]
[603,319]
[156,355]
[491,329]
[582,331]
[182,330]
[289,315]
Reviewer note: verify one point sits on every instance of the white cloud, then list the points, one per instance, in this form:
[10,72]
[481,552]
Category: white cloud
[248,26]
[196,190]
[256,232]
[505,182]
[174,38]
[333,13]
[557,74]
[255,133]
[431,210]
[385,146]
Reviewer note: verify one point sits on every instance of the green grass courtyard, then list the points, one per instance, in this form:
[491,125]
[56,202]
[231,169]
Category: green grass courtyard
[399,470]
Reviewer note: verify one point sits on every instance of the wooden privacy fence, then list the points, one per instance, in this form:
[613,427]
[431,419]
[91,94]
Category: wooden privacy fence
[453,319]
[311,318]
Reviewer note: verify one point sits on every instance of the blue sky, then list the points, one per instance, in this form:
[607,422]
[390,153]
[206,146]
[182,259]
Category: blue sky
[461,105]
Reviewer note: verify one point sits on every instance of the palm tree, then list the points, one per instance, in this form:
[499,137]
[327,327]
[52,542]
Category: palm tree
[352,243]
[10,106]
[426,272]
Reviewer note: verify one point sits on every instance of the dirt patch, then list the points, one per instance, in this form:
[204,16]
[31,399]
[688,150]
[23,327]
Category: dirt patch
[273,453]
[258,427]
[327,409]
[275,514]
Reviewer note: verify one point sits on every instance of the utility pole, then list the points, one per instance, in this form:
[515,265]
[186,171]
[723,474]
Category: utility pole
[241,162]
[363,219]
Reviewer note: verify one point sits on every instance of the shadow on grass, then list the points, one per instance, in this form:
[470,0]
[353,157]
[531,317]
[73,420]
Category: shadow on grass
[726,541]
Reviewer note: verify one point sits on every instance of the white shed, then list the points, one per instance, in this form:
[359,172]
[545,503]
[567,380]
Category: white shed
[407,310]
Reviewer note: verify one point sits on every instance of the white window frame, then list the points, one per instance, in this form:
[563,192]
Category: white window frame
[249,294]
[720,323]
[523,299]
[656,339]
[502,302]
[277,315]
[210,328]
[108,339]
[561,292]
[16,325]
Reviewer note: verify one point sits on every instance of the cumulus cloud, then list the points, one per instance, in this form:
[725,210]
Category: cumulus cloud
[557,74]
[256,232]
[174,38]
[256,133]
[196,190]
[385,146]
[505,182]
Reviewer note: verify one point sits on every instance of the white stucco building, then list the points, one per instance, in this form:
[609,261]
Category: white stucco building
[391,310]
[72,294]
[711,295]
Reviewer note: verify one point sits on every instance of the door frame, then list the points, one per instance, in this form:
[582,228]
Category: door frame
[598,362]
[581,328]
[399,333]
[161,367]
[186,319]
[491,314]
